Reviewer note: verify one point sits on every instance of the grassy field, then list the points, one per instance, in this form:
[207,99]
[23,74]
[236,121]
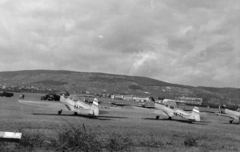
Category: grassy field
[117,129]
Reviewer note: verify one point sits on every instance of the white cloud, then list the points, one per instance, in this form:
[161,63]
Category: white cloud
[181,42]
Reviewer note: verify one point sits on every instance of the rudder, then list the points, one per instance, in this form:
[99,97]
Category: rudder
[196,114]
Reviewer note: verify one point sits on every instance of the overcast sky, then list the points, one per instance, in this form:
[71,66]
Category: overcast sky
[192,42]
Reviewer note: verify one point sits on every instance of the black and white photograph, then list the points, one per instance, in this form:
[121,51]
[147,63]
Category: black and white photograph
[119,75]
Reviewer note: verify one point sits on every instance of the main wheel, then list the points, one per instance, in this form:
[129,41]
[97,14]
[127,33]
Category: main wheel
[169,118]
[230,121]
[75,113]
[59,112]
[157,117]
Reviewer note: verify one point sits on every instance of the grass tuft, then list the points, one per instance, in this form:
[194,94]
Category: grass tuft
[190,141]
[78,139]
[118,142]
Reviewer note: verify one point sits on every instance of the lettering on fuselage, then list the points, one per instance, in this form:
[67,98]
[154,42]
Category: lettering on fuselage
[78,106]
[178,114]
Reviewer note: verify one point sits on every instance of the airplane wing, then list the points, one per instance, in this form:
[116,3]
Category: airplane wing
[161,113]
[44,104]
[189,117]
[227,115]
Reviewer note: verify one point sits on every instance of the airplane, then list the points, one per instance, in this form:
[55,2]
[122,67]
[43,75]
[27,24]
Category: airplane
[69,103]
[233,115]
[170,110]
[148,105]
[119,103]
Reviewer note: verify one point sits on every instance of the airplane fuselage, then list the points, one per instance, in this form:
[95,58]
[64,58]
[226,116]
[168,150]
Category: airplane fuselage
[170,111]
[231,112]
[80,107]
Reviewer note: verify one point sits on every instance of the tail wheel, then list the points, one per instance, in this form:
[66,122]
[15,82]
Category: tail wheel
[157,117]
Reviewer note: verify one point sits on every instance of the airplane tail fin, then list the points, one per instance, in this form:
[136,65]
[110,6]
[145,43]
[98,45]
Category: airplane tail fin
[95,107]
[95,101]
[196,113]
[151,99]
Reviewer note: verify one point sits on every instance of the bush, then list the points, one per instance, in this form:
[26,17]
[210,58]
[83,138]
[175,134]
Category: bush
[78,139]
[151,141]
[190,141]
[117,142]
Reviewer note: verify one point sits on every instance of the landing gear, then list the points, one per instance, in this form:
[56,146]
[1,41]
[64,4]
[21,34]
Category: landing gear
[157,117]
[169,118]
[59,112]
[230,121]
[75,113]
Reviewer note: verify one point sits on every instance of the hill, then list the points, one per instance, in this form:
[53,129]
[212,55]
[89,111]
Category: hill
[114,84]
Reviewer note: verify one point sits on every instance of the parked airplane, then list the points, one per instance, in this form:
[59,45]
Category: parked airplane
[233,115]
[171,110]
[69,103]
[119,103]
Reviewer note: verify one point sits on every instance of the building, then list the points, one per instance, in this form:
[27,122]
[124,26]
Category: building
[117,96]
[128,97]
[190,100]
[141,99]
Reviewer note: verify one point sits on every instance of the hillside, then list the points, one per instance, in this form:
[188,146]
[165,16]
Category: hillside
[118,84]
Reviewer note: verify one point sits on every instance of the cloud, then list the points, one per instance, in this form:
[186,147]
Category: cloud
[189,42]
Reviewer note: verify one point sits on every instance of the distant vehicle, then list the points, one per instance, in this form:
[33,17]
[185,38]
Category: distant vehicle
[51,97]
[6,94]
[68,103]
[233,115]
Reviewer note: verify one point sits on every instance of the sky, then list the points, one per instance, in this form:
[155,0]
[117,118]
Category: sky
[188,42]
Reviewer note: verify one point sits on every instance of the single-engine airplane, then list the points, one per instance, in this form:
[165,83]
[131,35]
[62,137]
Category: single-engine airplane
[233,115]
[68,103]
[171,110]
[121,104]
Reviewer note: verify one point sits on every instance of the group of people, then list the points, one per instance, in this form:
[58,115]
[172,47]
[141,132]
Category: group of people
[22,96]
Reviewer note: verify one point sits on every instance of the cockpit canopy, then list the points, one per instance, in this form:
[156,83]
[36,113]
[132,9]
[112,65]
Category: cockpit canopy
[170,104]
[222,108]
[76,98]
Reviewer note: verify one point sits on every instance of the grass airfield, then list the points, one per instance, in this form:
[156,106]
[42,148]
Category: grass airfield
[134,128]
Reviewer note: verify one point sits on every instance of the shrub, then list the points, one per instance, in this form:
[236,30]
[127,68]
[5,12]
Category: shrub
[190,141]
[117,142]
[151,141]
[78,139]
